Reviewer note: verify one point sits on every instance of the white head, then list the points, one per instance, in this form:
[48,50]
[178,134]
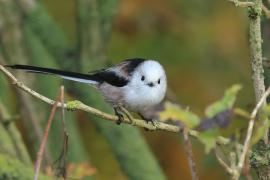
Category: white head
[147,86]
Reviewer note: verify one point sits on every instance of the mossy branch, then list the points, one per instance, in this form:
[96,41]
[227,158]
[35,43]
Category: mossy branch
[77,105]
[242,4]
[255,9]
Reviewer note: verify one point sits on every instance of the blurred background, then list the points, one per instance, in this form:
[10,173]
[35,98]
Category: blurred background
[203,46]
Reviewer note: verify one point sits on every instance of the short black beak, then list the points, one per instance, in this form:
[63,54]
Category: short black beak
[150,84]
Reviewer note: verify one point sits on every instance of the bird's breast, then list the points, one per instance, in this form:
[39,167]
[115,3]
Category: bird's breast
[137,99]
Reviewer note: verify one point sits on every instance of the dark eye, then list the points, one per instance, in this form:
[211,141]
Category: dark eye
[158,81]
[142,78]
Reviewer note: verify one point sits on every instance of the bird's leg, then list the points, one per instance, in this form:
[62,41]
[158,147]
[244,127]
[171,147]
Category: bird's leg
[120,111]
[154,122]
[129,116]
[119,114]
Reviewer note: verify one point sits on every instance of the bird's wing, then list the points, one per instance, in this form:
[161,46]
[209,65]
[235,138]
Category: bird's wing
[111,77]
[118,75]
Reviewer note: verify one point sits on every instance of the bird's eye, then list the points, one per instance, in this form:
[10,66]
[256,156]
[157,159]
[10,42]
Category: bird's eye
[143,78]
[158,81]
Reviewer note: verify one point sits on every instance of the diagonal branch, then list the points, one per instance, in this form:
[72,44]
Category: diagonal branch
[242,4]
[266,11]
[45,138]
[250,129]
[77,105]
[223,163]
[190,157]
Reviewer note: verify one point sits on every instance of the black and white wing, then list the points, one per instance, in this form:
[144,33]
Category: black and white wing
[119,74]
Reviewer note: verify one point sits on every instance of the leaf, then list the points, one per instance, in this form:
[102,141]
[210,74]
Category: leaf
[262,125]
[225,103]
[74,170]
[176,113]
[80,170]
[208,139]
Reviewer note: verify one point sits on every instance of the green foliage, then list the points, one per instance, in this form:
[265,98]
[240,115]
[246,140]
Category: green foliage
[225,103]
[175,112]
[208,139]
[262,124]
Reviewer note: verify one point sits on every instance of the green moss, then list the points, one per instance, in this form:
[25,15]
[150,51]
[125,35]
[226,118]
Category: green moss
[260,156]
[260,159]
[72,105]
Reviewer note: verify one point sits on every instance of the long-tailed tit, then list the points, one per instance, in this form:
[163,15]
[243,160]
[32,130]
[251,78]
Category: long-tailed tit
[136,84]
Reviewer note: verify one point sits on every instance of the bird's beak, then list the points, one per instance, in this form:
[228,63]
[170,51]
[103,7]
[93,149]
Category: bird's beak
[150,84]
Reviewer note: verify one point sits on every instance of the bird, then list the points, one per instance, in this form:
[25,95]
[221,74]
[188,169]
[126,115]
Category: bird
[135,84]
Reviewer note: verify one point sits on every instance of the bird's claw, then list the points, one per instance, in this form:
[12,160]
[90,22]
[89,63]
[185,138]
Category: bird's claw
[153,122]
[148,120]
[120,117]
[129,116]
[120,111]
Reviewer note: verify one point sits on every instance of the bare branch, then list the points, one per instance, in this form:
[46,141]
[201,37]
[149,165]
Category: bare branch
[250,129]
[44,138]
[62,169]
[242,4]
[191,162]
[266,11]
[222,162]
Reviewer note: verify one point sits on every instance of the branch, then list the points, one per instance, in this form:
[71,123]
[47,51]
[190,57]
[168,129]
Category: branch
[45,137]
[190,157]
[266,11]
[223,163]
[77,105]
[242,4]
[250,129]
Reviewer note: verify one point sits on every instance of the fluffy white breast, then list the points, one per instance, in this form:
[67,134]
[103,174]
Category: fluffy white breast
[147,86]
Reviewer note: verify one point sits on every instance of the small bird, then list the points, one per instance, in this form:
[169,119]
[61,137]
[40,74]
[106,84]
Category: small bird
[136,84]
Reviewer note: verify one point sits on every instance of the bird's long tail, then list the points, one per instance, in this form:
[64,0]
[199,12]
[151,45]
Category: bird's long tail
[73,76]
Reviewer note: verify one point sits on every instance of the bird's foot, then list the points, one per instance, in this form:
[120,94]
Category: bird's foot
[152,121]
[120,111]
[119,114]
[129,116]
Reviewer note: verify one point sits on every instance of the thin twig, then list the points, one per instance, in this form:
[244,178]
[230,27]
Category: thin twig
[63,118]
[246,171]
[266,11]
[44,138]
[250,128]
[222,162]
[188,148]
[242,4]
[63,155]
